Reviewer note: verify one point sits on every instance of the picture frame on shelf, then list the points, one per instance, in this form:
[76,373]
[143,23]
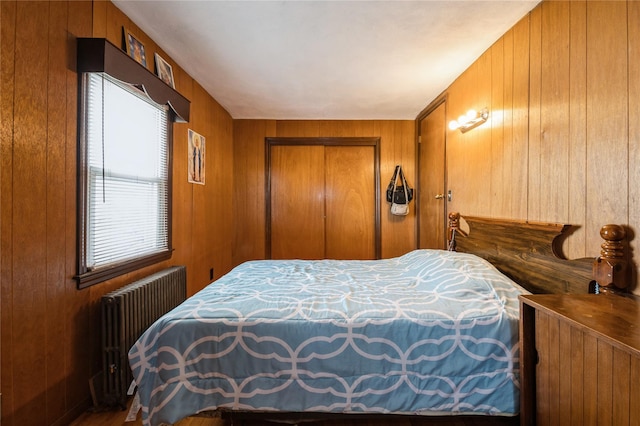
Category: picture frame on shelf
[164,71]
[135,48]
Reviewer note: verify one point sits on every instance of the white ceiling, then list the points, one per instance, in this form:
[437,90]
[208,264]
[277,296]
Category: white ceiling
[325,59]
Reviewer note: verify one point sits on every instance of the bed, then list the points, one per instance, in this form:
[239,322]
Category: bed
[429,333]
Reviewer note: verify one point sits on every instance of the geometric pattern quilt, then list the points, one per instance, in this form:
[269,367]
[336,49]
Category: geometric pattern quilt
[431,332]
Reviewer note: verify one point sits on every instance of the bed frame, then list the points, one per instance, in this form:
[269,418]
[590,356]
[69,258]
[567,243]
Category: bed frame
[530,254]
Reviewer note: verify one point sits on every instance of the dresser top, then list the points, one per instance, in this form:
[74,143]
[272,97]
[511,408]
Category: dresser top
[611,317]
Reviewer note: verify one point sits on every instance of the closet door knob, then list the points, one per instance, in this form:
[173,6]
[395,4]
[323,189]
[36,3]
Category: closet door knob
[439,196]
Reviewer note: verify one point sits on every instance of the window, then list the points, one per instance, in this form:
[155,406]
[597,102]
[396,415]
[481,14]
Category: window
[124,177]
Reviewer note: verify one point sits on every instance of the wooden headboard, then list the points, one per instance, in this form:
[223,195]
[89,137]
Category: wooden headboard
[530,254]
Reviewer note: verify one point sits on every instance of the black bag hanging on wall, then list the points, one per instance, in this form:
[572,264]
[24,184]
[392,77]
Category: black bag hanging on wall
[392,185]
[396,193]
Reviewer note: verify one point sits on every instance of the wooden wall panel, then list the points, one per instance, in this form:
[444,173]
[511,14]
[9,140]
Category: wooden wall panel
[217,218]
[479,139]
[534,155]
[633,51]
[182,228]
[50,338]
[221,193]
[461,152]
[397,146]
[55,209]
[114,20]
[249,188]
[7,83]
[607,117]
[298,128]
[99,28]
[81,340]
[200,216]
[497,149]
[347,129]
[30,163]
[473,150]
[576,245]
[500,76]
[554,108]
[518,126]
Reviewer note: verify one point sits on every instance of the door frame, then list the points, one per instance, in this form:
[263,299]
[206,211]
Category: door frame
[324,141]
[442,99]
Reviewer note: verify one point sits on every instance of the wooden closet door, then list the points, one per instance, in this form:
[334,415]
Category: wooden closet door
[350,202]
[297,202]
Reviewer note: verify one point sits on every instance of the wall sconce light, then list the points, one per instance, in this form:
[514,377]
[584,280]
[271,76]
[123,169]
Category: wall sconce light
[469,120]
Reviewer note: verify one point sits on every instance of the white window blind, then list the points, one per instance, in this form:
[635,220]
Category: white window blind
[126,173]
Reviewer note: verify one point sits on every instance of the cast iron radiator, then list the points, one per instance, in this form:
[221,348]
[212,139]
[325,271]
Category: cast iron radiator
[126,313]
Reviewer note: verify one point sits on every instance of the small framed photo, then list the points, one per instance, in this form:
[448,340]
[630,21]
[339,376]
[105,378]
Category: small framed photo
[135,48]
[164,71]
[195,157]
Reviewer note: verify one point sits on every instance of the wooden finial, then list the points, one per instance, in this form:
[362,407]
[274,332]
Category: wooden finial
[610,268]
[454,225]
[454,222]
[454,229]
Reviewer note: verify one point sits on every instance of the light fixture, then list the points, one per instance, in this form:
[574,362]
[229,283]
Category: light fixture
[469,120]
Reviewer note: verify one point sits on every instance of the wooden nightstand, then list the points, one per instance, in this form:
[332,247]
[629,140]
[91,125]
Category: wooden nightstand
[579,359]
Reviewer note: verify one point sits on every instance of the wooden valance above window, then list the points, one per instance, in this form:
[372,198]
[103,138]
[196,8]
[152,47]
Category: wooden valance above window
[100,55]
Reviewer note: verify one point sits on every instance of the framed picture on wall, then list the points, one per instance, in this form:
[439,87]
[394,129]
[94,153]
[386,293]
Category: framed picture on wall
[195,157]
[164,71]
[135,48]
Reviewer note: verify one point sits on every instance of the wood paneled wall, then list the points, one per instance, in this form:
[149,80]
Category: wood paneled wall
[563,140]
[563,87]
[397,146]
[487,166]
[50,332]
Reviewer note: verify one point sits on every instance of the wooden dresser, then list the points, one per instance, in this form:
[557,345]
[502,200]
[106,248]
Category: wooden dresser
[580,360]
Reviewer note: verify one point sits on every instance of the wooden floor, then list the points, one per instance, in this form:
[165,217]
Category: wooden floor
[117,418]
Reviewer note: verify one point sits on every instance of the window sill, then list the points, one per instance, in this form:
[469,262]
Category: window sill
[89,278]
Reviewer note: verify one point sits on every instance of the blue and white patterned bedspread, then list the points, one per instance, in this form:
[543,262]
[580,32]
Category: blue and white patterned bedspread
[431,332]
